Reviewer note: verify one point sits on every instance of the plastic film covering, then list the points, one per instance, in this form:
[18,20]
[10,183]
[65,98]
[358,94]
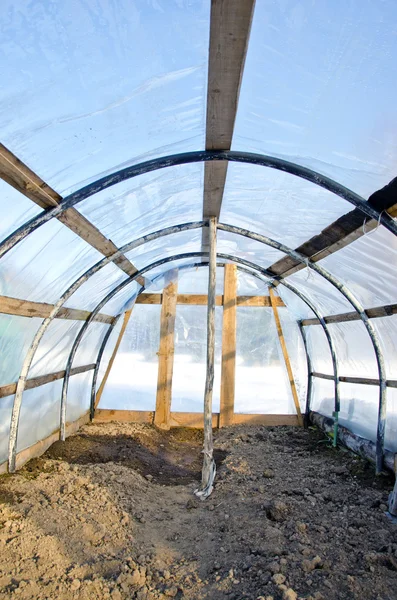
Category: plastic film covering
[188,380]
[325,297]
[43,265]
[237,245]
[40,413]
[79,396]
[66,115]
[386,328]
[5,418]
[16,336]
[296,353]
[313,74]
[195,281]
[132,382]
[54,349]
[368,267]
[122,300]
[276,204]
[261,386]
[107,354]
[353,348]
[88,295]
[319,351]
[16,209]
[147,203]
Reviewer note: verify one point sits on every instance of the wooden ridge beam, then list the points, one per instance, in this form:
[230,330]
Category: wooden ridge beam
[201,300]
[27,308]
[230,27]
[373,313]
[357,380]
[28,183]
[340,233]
[10,388]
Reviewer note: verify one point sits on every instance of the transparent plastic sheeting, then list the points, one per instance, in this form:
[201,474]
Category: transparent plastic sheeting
[359,408]
[386,328]
[43,265]
[147,203]
[16,209]
[132,382]
[195,281]
[188,381]
[323,295]
[368,267]
[108,351]
[313,74]
[319,351]
[16,336]
[279,205]
[138,64]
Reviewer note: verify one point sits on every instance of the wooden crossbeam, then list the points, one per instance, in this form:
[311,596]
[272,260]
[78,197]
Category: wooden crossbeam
[342,232]
[27,308]
[230,27]
[286,357]
[10,388]
[23,179]
[201,300]
[166,352]
[373,313]
[229,337]
[361,380]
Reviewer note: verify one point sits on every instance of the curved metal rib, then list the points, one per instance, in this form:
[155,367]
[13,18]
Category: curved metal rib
[309,374]
[192,157]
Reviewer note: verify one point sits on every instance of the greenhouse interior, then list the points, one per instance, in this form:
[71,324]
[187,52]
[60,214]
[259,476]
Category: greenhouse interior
[198,246]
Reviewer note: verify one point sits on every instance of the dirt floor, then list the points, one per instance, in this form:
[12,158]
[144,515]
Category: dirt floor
[110,513]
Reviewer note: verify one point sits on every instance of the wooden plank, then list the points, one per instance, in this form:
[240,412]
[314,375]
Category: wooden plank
[194,420]
[110,365]
[41,446]
[10,388]
[357,380]
[286,356]
[201,300]
[26,308]
[230,27]
[28,183]
[229,327]
[166,352]
[341,232]
[373,313]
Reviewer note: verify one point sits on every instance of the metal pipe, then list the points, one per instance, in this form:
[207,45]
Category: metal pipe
[309,375]
[193,157]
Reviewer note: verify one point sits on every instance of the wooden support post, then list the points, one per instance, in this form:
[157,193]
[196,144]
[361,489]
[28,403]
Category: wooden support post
[110,365]
[209,467]
[166,353]
[286,356]
[228,347]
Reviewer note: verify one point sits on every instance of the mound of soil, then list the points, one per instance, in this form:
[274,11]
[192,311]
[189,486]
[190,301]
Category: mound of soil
[110,514]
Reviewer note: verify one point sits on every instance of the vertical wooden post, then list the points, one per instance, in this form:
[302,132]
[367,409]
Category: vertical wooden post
[110,365]
[286,356]
[228,375]
[166,352]
[209,467]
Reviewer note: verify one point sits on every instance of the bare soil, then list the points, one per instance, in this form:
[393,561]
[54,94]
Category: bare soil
[110,513]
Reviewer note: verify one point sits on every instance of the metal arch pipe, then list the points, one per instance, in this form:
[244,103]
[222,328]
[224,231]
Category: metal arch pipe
[98,364]
[154,265]
[309,374]
[193,157]
[360,311]
[82,279]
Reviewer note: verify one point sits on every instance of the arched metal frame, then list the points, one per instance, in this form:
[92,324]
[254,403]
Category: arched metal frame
[188,158]
[150,237]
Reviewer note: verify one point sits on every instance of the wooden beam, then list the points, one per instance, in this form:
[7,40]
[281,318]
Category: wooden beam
[26,308]
[373,313]
[229,325]
[41,446]
[286,356]
[343,231]
[10,388]
[357,380]
[111,361]
[194,420]
[201,300]
[230,27]
[166,352]
[28,183]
